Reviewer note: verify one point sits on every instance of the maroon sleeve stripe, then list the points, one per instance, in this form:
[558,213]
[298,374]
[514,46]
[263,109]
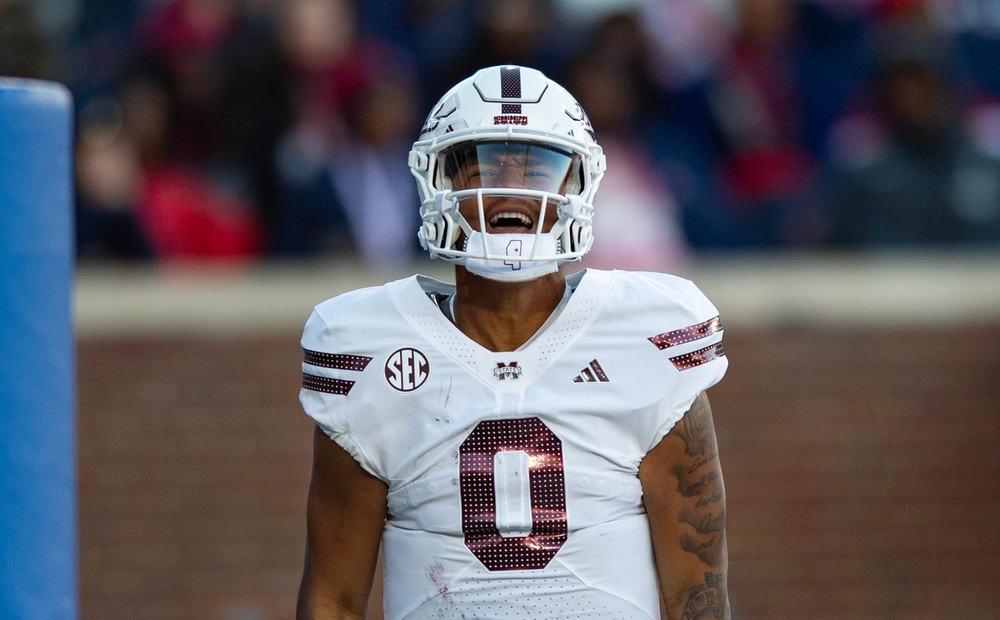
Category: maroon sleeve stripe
[335,360]
[699,357]
[686,334]
[326,384]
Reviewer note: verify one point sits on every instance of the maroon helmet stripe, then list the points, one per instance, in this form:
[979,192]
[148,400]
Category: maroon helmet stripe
[328,385]
[335,360]
[699,357]
[686,334]
[510,88]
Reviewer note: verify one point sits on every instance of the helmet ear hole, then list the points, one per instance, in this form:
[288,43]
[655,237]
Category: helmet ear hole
[418,160]
[580,236]
[439,230]
[451,232]
[425,232]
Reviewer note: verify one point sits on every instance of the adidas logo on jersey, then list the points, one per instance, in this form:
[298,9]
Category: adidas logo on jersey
[591,373]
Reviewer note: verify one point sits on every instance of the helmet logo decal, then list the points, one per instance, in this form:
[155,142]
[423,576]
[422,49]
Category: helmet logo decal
[577,114]
[513,249]
[406,369]
[510,88]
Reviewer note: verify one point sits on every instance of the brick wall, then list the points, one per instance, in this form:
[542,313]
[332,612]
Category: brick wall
[193,464]
[863,472]
[862,468]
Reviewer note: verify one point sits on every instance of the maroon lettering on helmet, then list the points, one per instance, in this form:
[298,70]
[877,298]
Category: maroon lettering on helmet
[510,119]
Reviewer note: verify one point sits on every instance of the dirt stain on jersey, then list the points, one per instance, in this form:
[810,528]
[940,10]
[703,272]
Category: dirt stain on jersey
[435,574]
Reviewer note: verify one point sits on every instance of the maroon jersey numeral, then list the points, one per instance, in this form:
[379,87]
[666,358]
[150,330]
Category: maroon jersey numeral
[477,478]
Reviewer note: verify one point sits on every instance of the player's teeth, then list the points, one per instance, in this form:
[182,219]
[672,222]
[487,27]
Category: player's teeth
[516,216]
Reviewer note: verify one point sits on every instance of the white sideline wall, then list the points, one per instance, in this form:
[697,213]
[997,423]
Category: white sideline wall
[753,290]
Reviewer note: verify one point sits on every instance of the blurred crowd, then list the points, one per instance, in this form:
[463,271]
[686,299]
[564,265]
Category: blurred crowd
[239,129]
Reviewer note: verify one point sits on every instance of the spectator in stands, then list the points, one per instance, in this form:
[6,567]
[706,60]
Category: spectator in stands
[225,97]
[256,106]
[355,98]
[754,99]
[187,42]
[369,172]
[925,183]
[135,201]
[108,178]
[636,210]
[183,212]
[654,46]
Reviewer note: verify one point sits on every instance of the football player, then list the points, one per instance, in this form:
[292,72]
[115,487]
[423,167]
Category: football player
[521,443]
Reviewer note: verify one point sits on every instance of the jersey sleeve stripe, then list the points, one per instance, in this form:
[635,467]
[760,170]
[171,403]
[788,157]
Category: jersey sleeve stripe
[699,357]
[336,360]
[326,384]
[687,334]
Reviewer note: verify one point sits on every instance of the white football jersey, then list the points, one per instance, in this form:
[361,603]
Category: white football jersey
[513,488]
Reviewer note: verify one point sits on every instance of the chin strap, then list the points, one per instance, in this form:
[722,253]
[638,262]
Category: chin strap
[510,256]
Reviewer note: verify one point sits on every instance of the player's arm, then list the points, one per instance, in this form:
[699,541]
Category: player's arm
[345,516]
[686,503]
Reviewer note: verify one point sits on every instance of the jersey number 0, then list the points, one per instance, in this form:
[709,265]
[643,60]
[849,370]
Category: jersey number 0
[513,494]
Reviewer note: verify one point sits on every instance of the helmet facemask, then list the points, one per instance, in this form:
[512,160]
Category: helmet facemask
[512,207]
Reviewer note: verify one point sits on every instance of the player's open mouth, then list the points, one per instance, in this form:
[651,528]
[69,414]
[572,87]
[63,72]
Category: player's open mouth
[510,221]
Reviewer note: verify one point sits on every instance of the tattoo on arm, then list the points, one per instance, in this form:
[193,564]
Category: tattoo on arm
[699,481]
[708,601]
[703,511]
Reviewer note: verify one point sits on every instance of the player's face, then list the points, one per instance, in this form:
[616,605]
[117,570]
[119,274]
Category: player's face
[517,165]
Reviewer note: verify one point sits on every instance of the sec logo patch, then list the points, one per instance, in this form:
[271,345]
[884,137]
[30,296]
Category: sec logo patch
[406,369]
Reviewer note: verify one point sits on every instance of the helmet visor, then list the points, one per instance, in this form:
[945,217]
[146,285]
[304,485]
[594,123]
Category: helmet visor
[522,165]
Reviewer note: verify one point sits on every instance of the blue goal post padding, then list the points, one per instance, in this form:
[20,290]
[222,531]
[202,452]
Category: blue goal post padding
[38,559]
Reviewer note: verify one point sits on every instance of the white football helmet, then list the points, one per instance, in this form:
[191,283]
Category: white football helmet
[519,112]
